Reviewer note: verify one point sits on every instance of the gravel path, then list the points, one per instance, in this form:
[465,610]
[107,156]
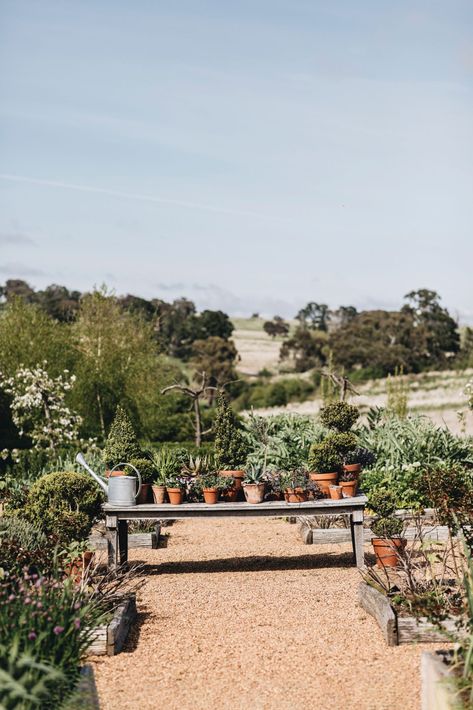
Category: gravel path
[241,614]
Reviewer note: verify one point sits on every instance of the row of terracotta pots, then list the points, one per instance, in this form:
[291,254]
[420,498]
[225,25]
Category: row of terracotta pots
[331,487]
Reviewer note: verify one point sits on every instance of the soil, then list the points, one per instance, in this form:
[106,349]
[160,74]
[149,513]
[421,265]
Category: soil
[240,614]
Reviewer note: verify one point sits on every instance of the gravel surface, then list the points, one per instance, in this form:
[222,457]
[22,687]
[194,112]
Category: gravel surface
[240,614]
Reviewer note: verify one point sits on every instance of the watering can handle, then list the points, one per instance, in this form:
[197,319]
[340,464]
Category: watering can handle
[123,463]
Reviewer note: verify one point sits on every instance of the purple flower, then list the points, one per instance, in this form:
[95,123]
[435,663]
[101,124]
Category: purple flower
[77,623]
[58,630]
[27,600]
[39,605]
[32,636]
[11,598]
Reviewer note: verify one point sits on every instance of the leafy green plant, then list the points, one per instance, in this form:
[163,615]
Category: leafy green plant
[198,466]
[398,393]
[386,525]
[231,449]
[299,478]
[122,444]
[213,480]
[254,474]
[324,457]
[144,466]
[167,464]
[24,545]
[359,455]
[340,416]
[64,504]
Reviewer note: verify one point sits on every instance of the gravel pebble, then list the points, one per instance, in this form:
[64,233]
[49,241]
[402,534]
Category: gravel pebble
[240,614]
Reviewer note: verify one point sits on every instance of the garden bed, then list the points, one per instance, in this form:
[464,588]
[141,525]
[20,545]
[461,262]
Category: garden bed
[108,639]
[396,628]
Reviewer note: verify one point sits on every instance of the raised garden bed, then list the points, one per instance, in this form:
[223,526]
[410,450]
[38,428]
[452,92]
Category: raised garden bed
[135,540]
[109,638]
[397,628]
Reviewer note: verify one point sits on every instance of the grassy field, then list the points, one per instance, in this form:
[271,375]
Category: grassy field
[438,395]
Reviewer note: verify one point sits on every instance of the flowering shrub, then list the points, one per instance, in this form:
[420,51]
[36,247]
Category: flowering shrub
[38,406]
[24,546]
[45,627]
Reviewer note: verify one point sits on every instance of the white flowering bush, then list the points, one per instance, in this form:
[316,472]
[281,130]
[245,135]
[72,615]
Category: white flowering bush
[38,406]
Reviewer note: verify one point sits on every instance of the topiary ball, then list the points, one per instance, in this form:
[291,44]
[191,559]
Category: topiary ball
[340,416]
[64,504]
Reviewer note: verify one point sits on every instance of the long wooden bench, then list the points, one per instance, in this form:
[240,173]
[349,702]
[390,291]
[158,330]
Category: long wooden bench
[117,518]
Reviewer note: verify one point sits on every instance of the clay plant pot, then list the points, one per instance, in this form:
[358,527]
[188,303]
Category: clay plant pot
[349,488]
[254,492]
[78,567]
[324,481]
[296,495]
[387,550]
[336,492]
[144,493]
[159,494]
[210,495]
[176,495]
[238,476]
[352,467]
[230,495]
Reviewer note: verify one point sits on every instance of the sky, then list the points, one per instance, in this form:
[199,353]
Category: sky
[250,155]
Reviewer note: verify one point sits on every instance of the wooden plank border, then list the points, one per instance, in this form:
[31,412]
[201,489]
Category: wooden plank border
[109,639]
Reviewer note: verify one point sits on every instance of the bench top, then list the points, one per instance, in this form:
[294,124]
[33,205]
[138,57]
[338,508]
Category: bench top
[217,510]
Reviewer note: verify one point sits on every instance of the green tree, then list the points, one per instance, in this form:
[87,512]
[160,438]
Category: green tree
[306,349]
[122,443]
[438,328]
[315,316]
[277,326]
[217,358]
[230,448]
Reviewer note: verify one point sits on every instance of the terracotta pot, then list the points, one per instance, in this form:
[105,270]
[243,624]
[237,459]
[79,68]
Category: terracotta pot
[210,495]
[238,476]
[352,467]
[144,493]
[349,488]
[78,567]
[296,495]
[159,494]
[336,492]
[324,481]
[254,492]
[176,495]
[111,474]
[230,495]
[387,550]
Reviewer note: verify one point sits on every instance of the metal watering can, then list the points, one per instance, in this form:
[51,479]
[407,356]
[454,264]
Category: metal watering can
[121,490]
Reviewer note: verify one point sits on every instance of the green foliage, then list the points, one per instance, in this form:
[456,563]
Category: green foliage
[281,441]
[230,447]
[64,504]
[449,489]
[212,480]
[263,393]
[324,457]
[216,357]
[306,349]
[122,443]
[45,626]
[254,474]
[359,455]
[398,393]
[168,464]
[386,524]
[340,416]
[341,442]
[145,467]
[387,527]
[23,546]
[298,478]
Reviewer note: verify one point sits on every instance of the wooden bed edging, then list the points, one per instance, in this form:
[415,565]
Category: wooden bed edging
[84,696]
[109,638]
[398,629]
[339,536]
[436,694]
[149,540]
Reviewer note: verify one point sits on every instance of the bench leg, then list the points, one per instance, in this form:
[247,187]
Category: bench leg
[356,525]
[117,541]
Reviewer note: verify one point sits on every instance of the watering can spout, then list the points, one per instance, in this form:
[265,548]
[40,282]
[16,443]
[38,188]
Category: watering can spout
[80,459]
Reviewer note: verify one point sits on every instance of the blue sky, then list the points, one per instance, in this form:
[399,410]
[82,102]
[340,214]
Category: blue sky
[250,155]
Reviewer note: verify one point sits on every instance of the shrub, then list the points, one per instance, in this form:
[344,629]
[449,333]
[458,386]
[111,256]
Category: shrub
[386,524]
[122,444]
[24,546]
[281,441]
[230,447]
[342,442]
[340,416]
[146,468]
[324,458]
[64,504]
[360,455]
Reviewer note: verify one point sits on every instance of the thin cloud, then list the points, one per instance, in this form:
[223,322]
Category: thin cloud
[131,196]
[15,239]
[18,270]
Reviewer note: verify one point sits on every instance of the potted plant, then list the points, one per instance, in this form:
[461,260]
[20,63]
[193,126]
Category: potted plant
[325,464]
[175,489]
[336,492]
[77,558]
[165,465]
[121,445]
[254,484]
[295,485]
[231,449]
[357,459]
[386,528]
[211,485]
[274,485]
[348,482]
